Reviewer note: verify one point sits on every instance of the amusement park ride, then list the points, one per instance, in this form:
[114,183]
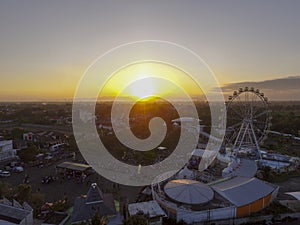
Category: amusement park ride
[248,120]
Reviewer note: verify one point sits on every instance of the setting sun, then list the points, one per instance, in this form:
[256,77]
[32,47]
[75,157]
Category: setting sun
[144,88]
[141,80]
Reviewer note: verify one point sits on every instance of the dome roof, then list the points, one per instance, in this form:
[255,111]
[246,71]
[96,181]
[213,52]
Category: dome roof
[188,191]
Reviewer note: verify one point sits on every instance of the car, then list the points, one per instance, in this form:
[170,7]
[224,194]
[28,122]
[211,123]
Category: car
[4,173]
[18,169]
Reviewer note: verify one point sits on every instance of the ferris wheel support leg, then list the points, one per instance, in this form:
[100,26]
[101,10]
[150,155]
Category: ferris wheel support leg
[238,136]
[243,137]
[255,140]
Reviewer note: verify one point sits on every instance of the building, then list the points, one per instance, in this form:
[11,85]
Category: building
[45,138]
[7,152]
[248,195]
[295,194]
[86,206]
[188,191]
[224,199]
[151,209]
[29,136]
[291,201]
[56,147]
[15,213]
[74,169]
[193,122]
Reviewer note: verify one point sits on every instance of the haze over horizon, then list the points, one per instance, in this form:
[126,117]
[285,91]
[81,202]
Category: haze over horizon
[46,46]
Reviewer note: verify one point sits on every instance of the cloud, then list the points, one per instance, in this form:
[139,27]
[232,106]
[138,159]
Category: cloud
[287,88]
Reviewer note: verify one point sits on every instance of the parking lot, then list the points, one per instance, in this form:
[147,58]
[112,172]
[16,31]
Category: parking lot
[63,187]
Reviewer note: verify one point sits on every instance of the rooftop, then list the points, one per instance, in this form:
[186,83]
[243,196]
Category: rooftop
[94,195]
[5,142]
[13,212]
[243,190]
[151,208]
[94,202]
[74,166]
[295,194]
[188,191]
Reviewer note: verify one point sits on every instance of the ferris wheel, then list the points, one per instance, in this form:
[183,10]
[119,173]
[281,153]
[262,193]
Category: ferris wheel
[248,119]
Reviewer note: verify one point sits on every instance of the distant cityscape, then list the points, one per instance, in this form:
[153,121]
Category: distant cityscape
[254,176]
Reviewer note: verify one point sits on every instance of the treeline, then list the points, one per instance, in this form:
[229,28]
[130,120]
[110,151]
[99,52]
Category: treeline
[285,117]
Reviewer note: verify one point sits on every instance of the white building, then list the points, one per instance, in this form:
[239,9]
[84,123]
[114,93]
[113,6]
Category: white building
[56,147]
[7,151]
[28,136]
[151,209]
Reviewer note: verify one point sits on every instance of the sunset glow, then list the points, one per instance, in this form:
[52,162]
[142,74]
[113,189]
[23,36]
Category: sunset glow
[146,88]
[142,81]
[44,56]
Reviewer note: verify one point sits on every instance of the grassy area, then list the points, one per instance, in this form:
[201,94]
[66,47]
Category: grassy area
[278,178]
[282,145]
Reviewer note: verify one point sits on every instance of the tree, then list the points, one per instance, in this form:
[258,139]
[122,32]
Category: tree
[6,190]
[97,220]
[181,222]
[23,192]
[28,154]
[138,219]
[170,221]
[36,201]
[72,145]
[17,133]
[266,172]
[59,206]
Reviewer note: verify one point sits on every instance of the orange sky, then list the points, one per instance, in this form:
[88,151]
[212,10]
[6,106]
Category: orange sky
[46,46]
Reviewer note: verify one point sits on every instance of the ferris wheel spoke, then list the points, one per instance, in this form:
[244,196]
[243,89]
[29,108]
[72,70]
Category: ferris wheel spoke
[237,113]
[262,130]
[233,122]
[252,107]
[235,125]
[241,104]
[260,114]
[233,136]
[255,106]
[259,109]
[256,129]
[247,103]
[260,125]
[259,122]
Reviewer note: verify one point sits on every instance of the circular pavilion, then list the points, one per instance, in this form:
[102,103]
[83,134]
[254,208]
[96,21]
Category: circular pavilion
[188,191]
